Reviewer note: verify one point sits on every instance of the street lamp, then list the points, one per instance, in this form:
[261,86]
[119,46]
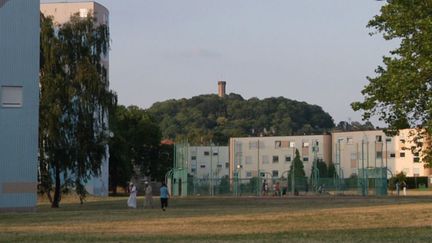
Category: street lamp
[293,172]
[338,161]
[364,172]
[236,180]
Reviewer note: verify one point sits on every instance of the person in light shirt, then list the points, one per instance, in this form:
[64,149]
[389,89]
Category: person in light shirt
[148,196]
[164,195]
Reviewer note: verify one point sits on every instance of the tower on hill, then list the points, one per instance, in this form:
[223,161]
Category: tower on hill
[221,89]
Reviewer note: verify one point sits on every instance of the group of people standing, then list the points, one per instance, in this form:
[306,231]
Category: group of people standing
[265,189]
[148,199]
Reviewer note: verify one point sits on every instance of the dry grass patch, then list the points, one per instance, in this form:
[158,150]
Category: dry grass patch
[232,220]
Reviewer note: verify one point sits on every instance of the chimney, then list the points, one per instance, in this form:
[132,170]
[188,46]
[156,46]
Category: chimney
[221,89]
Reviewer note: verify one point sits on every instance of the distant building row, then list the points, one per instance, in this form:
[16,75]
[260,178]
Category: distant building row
[273,156]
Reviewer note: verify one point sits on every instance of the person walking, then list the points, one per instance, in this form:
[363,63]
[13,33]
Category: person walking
[132,196]
[148,196]
[164,195]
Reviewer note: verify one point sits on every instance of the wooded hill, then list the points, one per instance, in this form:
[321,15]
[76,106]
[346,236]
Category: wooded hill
[208,119]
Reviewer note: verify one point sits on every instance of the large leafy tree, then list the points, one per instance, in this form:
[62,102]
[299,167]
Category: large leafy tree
[74,103]
[401,92]
[136,144]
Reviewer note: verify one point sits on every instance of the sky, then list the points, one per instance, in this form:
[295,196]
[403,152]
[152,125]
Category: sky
[315,51]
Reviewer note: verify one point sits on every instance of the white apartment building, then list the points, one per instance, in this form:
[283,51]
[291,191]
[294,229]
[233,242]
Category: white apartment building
[373,149]
[272,156]
[61,13]
[208,161]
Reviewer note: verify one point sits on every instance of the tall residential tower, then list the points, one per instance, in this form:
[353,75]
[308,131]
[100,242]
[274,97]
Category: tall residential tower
[19,103]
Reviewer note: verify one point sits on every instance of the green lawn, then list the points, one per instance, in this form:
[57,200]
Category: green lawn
[299,219]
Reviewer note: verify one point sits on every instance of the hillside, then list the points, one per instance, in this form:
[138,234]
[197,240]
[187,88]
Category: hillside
[209,118]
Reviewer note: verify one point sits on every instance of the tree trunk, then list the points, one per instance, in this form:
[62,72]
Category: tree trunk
[114,189]
[48,193]
[56,201]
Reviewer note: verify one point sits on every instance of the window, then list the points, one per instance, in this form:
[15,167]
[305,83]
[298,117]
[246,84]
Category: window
[202,166]
[253,145]
[11,96]
[83,12]
[275,159]
[287,158]
[248,174]
[305,145]
[193,170]
[379,138]
[379,154]
[291,144]
[193,157]
[388,140]
[416,160]
[392,155]
[215,153]
[248,160]
[305,159]
[226,165]
[402,154]
[349,140]
[278,144]
[275,173]
[219,166]
[206,153]
[353,156]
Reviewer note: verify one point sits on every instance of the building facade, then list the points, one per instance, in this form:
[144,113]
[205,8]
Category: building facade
[272,156]
[61,13]
[19,107]
[208,162]
[373,149]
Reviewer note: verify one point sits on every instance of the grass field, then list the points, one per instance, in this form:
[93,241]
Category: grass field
[299,219]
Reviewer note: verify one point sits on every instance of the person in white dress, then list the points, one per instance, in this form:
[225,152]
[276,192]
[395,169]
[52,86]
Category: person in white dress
[132,201]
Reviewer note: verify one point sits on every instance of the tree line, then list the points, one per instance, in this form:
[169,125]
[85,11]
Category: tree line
[206,119]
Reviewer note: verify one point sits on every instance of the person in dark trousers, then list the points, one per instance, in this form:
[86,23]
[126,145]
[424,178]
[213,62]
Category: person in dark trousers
[164,195]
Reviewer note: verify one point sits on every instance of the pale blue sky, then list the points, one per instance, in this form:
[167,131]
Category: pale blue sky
[318,51]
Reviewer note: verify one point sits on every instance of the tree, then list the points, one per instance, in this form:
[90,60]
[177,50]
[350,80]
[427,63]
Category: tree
[322,168]
[400,94]
[208,118]
[74,102]
[298,172]
[354,126]
[136,144]
[331,170]
[121,168]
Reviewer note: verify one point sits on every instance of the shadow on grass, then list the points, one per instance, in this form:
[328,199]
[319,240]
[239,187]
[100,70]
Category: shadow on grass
[418,234]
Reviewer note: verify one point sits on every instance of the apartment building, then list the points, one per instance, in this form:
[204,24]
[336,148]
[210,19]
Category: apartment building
[373,149]
[19,103]
[61,13]
[208,161]
[271,157]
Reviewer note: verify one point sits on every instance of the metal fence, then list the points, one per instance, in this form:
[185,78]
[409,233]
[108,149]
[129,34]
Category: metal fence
[257,186]
[369,181]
